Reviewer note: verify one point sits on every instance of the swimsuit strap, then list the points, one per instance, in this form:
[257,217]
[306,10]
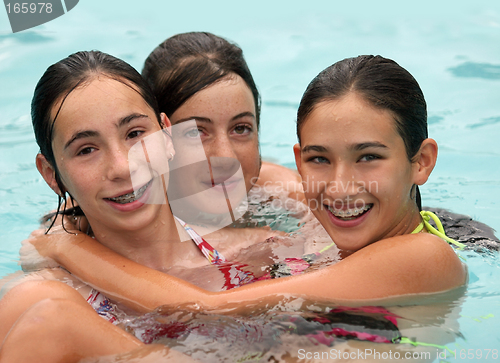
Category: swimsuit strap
[212,255]
[426,216]
[234,273]
[325,249]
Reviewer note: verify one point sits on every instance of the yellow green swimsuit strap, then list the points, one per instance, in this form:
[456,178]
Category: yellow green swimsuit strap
[426,216]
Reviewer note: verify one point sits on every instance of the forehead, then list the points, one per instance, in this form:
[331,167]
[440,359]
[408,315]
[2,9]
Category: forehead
[351,118]
[99,100]
[222,99]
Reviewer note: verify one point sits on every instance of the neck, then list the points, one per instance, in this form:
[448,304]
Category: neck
[408,223]
[156,245]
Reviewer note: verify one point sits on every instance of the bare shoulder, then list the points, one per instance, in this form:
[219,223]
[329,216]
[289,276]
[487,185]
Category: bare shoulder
[419,245]
[424,260]
[274,177]
[270,172]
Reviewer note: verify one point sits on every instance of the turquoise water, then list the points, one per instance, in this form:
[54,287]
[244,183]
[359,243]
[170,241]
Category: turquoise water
[450,47]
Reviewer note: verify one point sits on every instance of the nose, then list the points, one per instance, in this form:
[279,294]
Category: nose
[220,153]
[117,165]
[342,183]
[220,146]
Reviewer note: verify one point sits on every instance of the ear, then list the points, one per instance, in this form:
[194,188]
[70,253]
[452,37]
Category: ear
[48,173]
[298,160]
[166,124]
[164,121]
[425,160]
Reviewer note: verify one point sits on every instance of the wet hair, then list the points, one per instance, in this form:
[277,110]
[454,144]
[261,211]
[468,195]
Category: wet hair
[59,80]
[381,82]
[187,63]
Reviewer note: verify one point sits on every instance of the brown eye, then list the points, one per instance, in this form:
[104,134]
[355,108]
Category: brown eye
[242,129]
[134,134]
[86,151]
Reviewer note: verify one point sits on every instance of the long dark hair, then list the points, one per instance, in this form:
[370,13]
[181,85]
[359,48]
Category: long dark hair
[384,84]
[186,63]
[58,81]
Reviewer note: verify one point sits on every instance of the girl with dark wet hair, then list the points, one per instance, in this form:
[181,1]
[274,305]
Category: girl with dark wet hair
[204,77]
[88,111]
[362,150]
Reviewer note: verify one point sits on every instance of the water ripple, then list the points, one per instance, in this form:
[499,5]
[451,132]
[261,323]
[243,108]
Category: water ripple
[434,119]
[485,122]
[27,37]
[271,103]
[476,70]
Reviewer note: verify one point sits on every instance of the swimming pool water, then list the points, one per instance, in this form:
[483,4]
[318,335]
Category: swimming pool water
[450,47]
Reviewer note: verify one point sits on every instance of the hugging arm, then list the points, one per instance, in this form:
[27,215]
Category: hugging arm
[419,263]
[60,326]
[58,323]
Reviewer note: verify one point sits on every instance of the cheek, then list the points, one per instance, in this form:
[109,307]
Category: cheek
[314,182]
[73,187]
[78,182]
[396,190]
[249,159]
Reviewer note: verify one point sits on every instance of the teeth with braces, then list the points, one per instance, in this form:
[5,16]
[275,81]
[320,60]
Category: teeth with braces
[349,213]
[130,197]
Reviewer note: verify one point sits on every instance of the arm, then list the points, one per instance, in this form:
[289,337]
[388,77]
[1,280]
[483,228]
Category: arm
[408,264]
[60,326]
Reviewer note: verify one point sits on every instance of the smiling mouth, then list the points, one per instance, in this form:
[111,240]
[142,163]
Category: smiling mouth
[132,196]
[350,214]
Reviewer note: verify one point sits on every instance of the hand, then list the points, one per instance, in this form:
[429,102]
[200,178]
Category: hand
[40,250]
[30,256]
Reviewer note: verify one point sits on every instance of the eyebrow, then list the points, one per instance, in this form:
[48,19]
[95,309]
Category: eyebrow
[127,119]
[355,147]
[206,119]
[366,145]
[314,148]
[92,133]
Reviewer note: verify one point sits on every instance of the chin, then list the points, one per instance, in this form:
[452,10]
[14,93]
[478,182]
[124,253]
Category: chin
[349,242]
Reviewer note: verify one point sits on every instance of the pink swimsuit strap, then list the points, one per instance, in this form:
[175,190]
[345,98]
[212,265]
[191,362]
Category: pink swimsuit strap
[234,274]
[213,256]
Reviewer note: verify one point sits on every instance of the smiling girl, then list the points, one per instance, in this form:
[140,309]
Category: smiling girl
[88,111]
[362,153]
[203,77]
[363,150]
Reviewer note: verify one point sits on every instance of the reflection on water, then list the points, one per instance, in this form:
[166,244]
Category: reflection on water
[297,328]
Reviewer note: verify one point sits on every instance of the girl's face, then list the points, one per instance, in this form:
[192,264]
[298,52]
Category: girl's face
[225,118]
[96,126]
[356,173]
